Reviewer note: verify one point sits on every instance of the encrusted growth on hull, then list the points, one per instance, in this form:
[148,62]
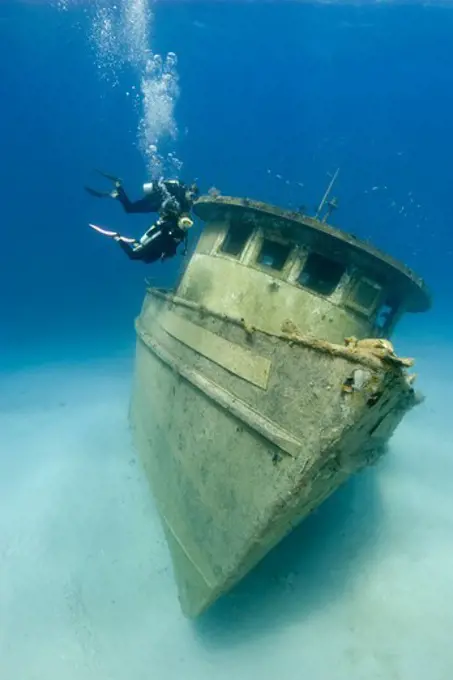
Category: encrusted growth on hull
[308,434]
[281,380]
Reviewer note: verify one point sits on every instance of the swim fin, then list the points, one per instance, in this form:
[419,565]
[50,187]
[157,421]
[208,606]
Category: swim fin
[103,231]
[112,178]
[112,234]
[98,194]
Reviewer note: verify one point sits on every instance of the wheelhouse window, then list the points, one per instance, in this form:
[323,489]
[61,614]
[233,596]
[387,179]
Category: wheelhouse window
[273,254]
[321,274]
[236,238]
[364,296]
[385,316]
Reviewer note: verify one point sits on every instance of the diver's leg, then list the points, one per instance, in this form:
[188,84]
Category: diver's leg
[118,193]
[147,204]
[154,244]
[132,253]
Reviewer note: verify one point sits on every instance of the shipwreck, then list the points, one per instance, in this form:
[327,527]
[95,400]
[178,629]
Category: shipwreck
[263,381]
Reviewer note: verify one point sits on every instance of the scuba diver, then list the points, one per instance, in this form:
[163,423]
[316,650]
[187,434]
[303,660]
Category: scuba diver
[171,199]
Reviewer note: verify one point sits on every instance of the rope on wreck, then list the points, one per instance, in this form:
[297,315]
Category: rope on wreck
[374,353]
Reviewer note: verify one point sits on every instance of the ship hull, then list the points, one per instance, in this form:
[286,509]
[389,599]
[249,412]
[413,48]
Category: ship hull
[243,433]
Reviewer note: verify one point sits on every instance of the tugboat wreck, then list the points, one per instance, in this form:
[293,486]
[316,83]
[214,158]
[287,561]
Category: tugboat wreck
[263,382]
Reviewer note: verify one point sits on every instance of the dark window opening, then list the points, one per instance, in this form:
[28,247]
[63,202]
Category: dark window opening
[366,294]
[384,317]
[237,236]
[321,274]
[273,254]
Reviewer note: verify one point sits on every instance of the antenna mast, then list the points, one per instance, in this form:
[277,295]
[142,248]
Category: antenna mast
[326,195]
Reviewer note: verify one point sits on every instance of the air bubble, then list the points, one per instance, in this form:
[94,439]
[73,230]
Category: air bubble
[120,36]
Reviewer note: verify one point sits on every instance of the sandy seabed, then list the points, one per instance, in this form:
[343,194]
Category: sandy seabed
[362,590]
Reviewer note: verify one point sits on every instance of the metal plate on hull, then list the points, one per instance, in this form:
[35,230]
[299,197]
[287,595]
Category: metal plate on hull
[238,360]
[268,429]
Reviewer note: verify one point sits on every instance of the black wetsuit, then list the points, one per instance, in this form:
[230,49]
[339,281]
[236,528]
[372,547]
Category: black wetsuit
[163,243]
[170,200]
[165,198]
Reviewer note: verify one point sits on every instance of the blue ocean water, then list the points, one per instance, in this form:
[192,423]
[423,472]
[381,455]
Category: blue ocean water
[271,98]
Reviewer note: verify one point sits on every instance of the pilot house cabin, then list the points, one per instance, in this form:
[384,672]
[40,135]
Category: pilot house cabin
[330,284]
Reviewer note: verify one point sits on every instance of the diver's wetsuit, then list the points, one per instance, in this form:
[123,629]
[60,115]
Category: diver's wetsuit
[167,197]
[172,200]
[163,242]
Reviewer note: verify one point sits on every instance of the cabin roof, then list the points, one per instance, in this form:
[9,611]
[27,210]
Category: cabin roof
[407,284]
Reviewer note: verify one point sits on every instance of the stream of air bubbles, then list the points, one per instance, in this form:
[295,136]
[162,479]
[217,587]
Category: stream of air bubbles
[121,35]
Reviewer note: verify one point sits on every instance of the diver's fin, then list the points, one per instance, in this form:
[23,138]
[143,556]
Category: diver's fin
[103,231]
[98,194]
[112,178]
[112,234]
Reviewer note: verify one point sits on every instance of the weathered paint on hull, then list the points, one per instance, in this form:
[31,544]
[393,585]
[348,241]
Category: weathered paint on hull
[233,464]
